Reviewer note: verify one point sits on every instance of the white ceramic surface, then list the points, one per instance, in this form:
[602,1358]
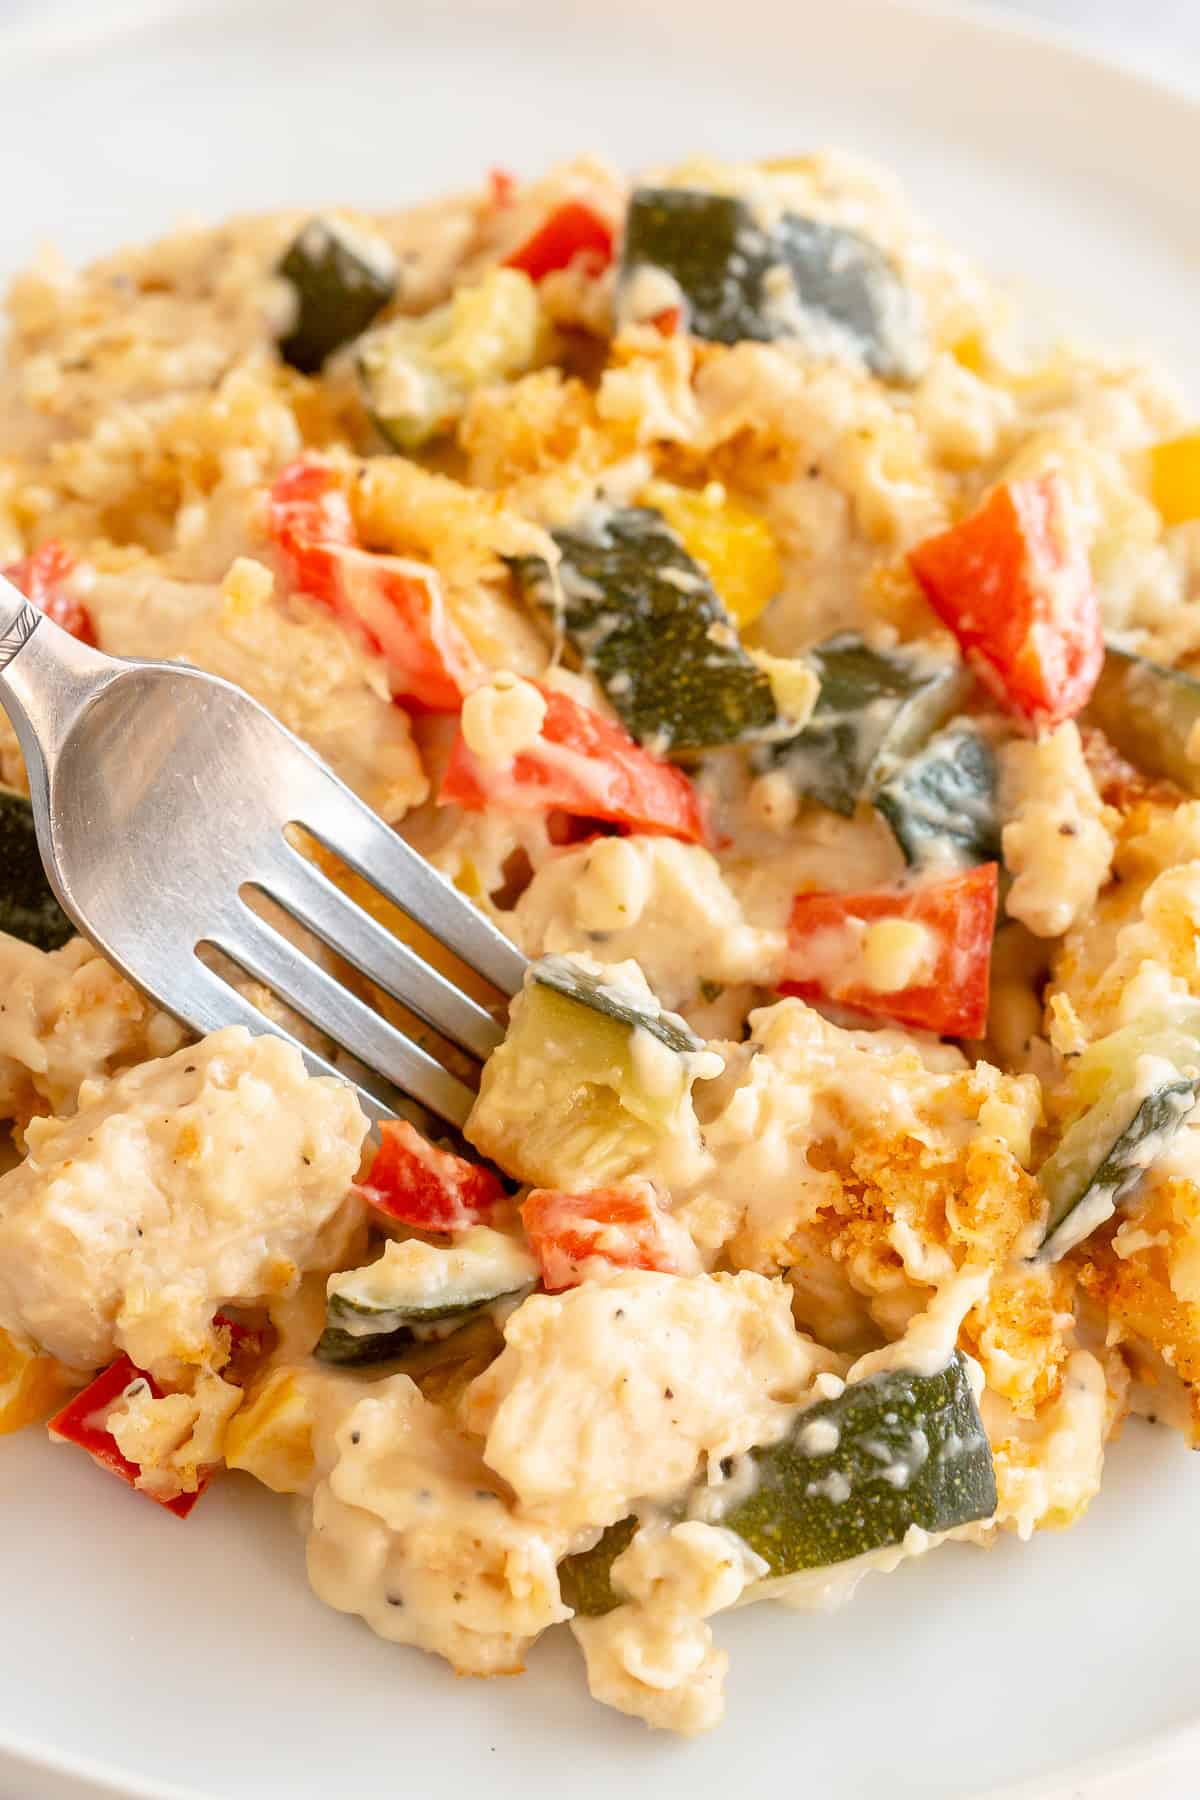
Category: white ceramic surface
[165,1659]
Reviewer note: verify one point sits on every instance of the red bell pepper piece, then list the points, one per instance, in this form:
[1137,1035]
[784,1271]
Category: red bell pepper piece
[81,1422]
[394,605]
[574,1236]
[502,186]
[413,1181]
[582,765]
[572,229]
[41,577]
[1014,584]
[951,995]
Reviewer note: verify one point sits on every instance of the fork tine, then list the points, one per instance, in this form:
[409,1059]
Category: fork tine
[347,826]
[266,955]
[377,953]
[205,1002]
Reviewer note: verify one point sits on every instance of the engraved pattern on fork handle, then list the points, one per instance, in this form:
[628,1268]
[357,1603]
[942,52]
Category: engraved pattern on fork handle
[18,634]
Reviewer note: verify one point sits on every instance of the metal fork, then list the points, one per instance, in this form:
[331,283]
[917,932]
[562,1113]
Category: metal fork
[160,794]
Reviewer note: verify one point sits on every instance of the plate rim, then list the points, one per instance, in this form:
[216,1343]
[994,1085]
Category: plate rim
[99,29]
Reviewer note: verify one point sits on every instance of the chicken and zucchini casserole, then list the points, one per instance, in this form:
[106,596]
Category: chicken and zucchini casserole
[793,656]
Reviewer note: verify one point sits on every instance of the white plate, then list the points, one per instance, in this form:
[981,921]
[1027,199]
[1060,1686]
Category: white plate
[166,1658]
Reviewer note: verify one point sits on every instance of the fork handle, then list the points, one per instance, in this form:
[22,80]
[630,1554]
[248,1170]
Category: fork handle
[18,621]
[47,677]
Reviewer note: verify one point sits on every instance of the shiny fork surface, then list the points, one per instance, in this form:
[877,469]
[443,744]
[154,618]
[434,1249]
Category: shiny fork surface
[161,794]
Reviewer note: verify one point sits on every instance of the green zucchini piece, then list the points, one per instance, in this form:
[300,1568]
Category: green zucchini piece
[1148,1080]
[416,1291]
[588,987]
[590,1078]
[585,1579]
[1151,714]
[846,281]
[341,279]
[910,1450]
[28,909]
[416,375]
[804,279]
[644,617]
[853,1474]
[875,708]
[941,803]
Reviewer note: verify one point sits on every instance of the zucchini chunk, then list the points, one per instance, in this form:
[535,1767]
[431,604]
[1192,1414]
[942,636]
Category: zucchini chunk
[590,1078]
[804,279]
[893,1450]
[585,1579]
[28,909]
[417,1291]
[1143,1081]
[415,375]
[853,1474]
[645,619]
[875,708]
[941,803]
[340,278]
[1151,714]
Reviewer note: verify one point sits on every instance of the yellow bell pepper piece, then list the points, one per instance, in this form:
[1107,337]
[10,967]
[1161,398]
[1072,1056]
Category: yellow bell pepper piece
[970,354]
[1175,478]
[32,1386]
[734,545]
[270,1437]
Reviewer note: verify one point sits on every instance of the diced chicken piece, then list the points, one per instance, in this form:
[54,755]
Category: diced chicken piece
[619,1390]
[214,1176]
[413,1532]
[654,1657]
[68,1017]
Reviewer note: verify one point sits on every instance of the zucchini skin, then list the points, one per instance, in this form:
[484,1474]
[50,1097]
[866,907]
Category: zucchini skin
[416,1293]
[842,276]
[874,708]
[941,803]
[1159,1114]
[348,1350]
[927,1426]
[338,293]
[579,984]
[644,617]
[910,1450]
[695,236]
[585,1579]
[1149,712]
[28,909]
[726,267]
